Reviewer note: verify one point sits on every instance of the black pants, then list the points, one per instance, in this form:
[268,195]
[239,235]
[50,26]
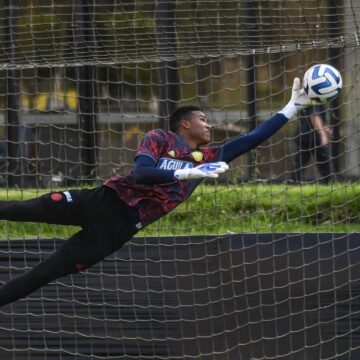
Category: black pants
[105,224]
[322,158]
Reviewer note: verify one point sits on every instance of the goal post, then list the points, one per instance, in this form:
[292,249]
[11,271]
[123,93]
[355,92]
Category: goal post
[255,265]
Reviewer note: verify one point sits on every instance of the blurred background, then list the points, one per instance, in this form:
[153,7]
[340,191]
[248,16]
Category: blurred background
[82,81]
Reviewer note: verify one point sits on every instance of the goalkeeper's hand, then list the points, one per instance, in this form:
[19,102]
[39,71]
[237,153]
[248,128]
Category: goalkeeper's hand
[211,170]
[299,101]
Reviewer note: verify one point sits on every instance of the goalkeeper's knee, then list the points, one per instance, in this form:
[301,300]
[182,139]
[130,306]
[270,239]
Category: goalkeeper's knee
[78,253]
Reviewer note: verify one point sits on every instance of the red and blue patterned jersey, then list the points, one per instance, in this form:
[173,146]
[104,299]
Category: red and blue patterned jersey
[169,152]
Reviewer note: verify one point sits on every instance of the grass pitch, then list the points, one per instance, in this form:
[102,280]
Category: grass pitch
[219,209]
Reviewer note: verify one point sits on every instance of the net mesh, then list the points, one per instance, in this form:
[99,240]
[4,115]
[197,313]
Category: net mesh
[258,265]
[108,32]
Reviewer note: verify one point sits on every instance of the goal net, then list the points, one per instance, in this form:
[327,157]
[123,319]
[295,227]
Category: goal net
[261,264]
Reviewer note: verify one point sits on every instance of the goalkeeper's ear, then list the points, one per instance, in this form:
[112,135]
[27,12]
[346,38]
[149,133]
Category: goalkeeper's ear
[185,123]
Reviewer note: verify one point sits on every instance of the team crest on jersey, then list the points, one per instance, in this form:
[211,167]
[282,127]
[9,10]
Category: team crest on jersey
[197,155]
[173,164]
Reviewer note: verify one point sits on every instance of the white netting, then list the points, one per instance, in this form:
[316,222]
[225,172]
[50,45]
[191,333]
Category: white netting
[266,266]
[65,33]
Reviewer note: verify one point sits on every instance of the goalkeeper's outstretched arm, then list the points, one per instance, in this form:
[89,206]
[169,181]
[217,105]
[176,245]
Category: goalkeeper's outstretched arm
[196,132]
[244,143]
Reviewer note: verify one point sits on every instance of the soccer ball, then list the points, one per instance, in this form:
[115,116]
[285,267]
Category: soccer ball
[322,83]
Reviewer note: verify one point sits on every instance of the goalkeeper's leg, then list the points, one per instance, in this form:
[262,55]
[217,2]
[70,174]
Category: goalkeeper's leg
[84,249]
[70,258]
[54,208]
[109,226]
[73,207]
[52,268]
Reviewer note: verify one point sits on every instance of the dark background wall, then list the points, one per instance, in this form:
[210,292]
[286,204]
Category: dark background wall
[251,296]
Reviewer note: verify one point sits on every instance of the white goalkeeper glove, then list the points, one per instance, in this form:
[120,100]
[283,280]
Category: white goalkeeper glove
[211,170]
[299,101]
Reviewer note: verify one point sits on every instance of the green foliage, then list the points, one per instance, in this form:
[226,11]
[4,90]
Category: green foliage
[265,208]
[222,209]
[40,34]
[121,30]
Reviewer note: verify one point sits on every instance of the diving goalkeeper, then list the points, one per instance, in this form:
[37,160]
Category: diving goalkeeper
[169,165]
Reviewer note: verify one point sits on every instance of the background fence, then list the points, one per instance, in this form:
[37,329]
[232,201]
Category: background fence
[84,80]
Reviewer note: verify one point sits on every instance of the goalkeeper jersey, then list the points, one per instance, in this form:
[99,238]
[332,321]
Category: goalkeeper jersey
[169,152]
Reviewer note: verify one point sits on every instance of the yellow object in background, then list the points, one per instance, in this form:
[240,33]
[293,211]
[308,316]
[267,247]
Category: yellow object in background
[54,102]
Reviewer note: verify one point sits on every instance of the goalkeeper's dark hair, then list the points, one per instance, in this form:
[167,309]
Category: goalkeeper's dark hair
[179,114]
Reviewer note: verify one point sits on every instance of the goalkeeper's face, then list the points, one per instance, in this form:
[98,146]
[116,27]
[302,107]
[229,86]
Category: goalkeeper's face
[199,129]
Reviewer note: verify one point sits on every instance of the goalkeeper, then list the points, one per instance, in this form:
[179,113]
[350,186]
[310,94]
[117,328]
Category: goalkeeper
[168,167]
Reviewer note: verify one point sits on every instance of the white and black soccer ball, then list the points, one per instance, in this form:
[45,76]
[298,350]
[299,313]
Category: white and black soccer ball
[322,83]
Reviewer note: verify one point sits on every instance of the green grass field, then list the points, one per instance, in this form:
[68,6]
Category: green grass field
[231,209]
